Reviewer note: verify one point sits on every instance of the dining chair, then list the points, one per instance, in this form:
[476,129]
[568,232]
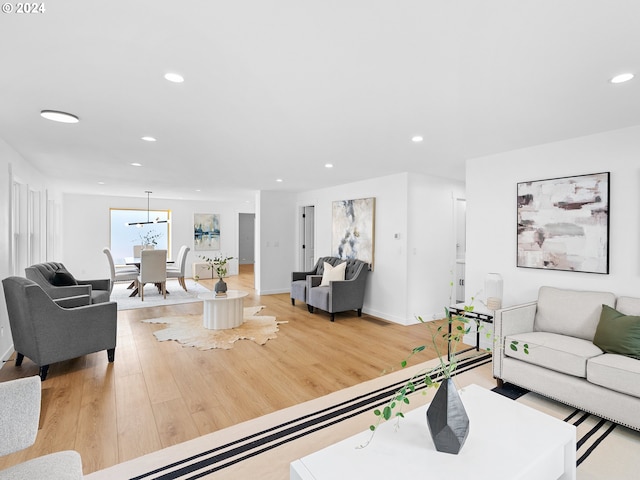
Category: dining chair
[177,269]
[120,274]
[153,269]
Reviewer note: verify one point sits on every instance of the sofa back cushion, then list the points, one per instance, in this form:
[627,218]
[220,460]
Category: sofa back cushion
[570,312]
[352,268]
[47,269]
[628,305]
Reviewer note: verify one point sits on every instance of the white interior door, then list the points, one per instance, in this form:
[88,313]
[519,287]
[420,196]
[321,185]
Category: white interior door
[460,210]
[307,240]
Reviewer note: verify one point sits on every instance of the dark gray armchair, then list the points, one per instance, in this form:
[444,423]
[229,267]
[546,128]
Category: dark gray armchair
[299,279]
[59,284]
[342,295]
[47,333]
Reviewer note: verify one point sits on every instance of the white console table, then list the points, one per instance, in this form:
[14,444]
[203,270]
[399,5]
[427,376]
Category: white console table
[220,313]
[507,441]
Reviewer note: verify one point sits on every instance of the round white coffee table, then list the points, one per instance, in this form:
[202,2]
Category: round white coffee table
[223,312]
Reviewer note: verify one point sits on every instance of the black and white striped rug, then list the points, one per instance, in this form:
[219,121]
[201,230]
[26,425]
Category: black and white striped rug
[604,450]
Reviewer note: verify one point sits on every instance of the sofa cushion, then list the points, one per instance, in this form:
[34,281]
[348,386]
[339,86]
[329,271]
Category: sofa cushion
[618,333]
[628,305]
[615,372]
[561,353]
[570,312]
[62,278]
[100,296]
[333,274]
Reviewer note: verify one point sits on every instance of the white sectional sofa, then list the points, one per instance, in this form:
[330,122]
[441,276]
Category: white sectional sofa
[562,361]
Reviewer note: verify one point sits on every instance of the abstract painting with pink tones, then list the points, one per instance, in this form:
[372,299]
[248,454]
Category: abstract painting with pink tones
[563,223]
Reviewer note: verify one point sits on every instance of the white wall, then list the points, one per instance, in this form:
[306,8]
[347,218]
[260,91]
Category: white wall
[12,165]
[86,229]
[410,217]
[491,212]
[432,244]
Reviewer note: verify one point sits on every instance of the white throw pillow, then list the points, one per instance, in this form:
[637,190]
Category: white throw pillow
[332,273]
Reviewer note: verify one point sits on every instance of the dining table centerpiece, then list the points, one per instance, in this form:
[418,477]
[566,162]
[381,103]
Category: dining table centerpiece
[149,239]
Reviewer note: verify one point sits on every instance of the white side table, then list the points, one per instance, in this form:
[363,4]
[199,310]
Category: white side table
[221,313]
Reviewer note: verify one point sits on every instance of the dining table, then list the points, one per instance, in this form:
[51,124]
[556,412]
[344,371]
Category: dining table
[136,262]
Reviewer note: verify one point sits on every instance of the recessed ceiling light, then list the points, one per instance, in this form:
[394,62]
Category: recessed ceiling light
[623,77]
[174,77]
[197,189]
[57,116]
[328,165]
[278,180]
[417,138]
[100,183]
[148,139]
[136,164]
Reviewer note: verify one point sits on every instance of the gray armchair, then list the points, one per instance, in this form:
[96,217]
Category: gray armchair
[299,279]
[58,283]
[19,416]
[47,333]
[339,296]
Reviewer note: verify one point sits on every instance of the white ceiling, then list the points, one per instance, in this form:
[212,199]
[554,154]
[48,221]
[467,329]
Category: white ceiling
[276,89]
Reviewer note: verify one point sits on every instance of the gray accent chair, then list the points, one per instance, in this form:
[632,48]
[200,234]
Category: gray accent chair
[47,333]
[19,417]
[299,279]
[339,296]
[44,275]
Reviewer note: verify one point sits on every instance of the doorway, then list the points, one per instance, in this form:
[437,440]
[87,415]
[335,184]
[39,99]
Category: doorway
[307,238]
[246,238]
[459,212]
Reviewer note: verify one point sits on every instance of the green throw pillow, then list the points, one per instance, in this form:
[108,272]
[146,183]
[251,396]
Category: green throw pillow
[618,333]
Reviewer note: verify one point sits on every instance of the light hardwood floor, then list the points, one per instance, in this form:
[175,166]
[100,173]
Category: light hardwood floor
[158,394]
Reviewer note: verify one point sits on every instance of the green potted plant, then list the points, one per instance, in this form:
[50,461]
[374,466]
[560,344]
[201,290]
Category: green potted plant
[149,239]
[452,332]
[218,265]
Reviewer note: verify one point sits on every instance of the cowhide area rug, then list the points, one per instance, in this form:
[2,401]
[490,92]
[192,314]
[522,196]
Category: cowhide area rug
[189,331]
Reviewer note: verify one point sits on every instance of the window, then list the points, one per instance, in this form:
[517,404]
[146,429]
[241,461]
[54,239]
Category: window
[125,236]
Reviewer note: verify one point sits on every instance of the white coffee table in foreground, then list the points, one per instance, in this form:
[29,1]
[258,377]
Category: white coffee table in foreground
[220,313]
[507,441]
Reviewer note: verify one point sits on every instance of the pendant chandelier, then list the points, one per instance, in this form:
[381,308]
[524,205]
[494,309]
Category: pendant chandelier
[149,221]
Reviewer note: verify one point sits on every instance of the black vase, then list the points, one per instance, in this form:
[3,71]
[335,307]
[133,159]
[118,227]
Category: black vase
[220,286]
[447,419]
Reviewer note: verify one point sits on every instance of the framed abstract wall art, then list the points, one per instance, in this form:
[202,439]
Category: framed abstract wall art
[353,229]
[206,231]
[563,223]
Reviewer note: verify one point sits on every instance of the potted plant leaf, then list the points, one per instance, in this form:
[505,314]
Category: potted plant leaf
[446,406]
[218,265]
[149,239]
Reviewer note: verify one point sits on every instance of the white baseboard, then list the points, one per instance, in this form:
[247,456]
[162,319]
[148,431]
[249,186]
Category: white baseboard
[7,354]
[386,316]
[273,292]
